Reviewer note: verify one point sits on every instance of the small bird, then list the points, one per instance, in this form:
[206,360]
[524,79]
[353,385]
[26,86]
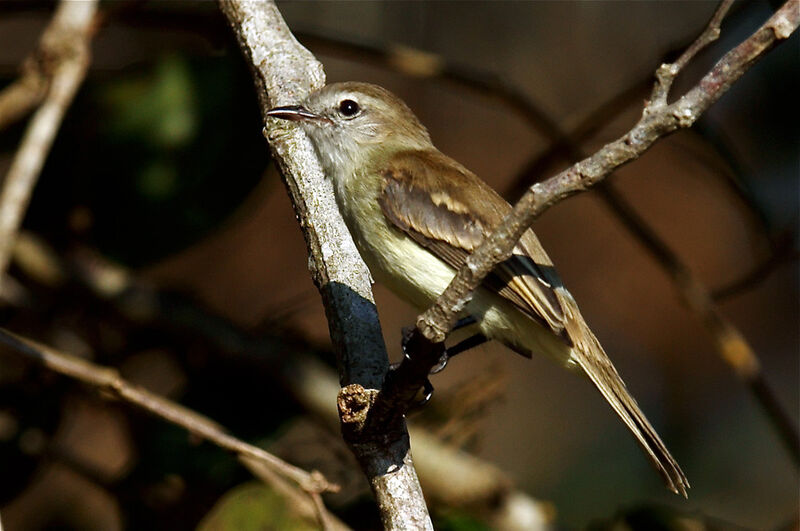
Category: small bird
[416,214]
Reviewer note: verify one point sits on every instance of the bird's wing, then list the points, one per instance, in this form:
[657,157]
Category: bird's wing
[448,210]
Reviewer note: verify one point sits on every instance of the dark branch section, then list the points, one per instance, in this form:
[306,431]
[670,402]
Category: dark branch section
[402,384]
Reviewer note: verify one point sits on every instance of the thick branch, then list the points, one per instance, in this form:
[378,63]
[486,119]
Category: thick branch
[66,44]
[109,380]
[285,73]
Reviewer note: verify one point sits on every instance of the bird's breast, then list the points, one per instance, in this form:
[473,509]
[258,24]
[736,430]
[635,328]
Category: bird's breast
[418,276]
[393,258]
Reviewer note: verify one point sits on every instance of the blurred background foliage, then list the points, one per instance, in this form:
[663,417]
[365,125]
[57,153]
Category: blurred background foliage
[160,167]
[164,137]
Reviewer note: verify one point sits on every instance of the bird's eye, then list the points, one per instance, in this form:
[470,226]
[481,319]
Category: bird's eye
[348,108]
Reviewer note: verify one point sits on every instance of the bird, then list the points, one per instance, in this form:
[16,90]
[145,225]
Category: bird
[415,214]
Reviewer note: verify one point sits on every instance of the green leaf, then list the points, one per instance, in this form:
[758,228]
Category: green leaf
[254,506]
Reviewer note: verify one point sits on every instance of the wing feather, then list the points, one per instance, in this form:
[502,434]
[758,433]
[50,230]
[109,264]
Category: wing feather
[448,210]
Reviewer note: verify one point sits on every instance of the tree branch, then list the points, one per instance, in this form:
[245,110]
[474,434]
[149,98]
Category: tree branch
[65,44]
[481,489]
[285,72]
[264,465]
[23,94]
[667,72]
[658,120]
[108,379]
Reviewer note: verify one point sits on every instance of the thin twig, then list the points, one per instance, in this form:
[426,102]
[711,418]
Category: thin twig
[67,40]
[22,96]
[667,72]
[658,120]
[564,146]
[108,379]
[322,517]
[730,343]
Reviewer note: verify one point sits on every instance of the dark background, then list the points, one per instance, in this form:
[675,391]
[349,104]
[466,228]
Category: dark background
[160,167]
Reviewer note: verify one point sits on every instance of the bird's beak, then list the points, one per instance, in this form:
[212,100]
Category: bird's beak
[295,113]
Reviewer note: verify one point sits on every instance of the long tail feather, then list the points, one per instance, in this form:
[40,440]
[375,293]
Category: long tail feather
[590,356]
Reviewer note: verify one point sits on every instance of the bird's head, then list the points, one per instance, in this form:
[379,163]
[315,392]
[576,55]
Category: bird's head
[349,121]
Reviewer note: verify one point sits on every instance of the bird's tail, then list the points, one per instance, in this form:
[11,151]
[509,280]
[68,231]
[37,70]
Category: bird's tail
[590,356]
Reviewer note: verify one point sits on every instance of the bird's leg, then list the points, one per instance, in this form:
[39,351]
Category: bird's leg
[427,387]
[462,346]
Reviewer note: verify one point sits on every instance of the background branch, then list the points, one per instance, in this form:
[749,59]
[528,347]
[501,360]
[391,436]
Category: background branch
[108,380]
[310,506]
[66,44]
[271,469]
[22,95]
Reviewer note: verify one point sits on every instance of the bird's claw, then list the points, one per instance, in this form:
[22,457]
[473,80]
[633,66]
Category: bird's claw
[441,364]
